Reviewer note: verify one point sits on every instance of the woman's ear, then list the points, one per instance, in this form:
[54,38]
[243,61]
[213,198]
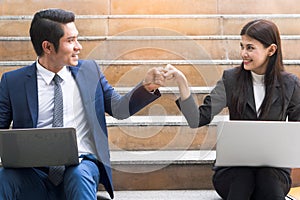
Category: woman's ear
[47,47]
[272,49]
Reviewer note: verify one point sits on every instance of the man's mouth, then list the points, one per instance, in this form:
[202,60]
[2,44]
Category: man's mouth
[75,56]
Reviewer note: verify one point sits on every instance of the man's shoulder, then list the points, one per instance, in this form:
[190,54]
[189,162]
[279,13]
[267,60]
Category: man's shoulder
[22,71]
[86,63]
[86,68]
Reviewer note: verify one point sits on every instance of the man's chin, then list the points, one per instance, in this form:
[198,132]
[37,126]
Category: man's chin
[73,63]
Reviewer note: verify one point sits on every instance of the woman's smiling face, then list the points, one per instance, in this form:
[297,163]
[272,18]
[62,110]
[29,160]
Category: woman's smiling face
[255,56]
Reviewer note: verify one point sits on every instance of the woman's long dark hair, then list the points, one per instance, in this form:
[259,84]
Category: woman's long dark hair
[267,33]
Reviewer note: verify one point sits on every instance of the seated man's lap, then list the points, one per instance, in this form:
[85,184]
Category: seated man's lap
[80,182]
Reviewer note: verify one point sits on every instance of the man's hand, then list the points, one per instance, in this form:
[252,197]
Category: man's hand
[154,79]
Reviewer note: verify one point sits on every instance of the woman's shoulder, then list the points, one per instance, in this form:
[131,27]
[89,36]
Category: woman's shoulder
[231,73]
[232,70]
[290,80]
[288,76]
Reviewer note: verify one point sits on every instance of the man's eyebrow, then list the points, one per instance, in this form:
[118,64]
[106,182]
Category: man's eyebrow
[72,37]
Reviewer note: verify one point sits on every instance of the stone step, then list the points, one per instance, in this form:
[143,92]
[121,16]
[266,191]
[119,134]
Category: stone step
[190,25]
[149,48]
[86,24]
[127,73]
[155,47]
[161,137]
[201,6]
[295,193]
[169,194]
[199,73]
[198,24]
[148,143]
[160,133]
[165,106]
[26,7]
[162,170]
[166,170]
[162,195]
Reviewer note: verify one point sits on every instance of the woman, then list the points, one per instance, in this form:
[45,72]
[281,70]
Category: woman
[259,89]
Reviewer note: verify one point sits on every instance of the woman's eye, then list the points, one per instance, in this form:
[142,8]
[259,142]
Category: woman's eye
[250,48]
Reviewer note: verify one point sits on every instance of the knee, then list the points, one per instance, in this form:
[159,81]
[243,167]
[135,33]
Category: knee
[271,174]
[272,179]
[80,176]
[80,182]
[75,175]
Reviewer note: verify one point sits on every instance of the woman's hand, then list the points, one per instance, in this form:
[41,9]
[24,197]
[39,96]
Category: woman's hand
[171,73]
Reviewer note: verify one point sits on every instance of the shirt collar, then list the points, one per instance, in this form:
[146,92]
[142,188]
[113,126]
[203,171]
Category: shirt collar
[48,75]
[258,78]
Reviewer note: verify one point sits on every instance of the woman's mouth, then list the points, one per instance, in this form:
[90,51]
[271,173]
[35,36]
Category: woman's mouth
[246,62]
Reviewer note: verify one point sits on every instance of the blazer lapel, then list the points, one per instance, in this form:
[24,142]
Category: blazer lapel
[250,100]
[31,93]
[276,94]
[81,80]
[87,79]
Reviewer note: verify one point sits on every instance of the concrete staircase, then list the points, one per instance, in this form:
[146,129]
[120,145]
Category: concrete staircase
[155,150]
[163,195]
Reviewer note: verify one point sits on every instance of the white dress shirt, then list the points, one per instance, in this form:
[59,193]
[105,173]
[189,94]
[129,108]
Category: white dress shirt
[74,114]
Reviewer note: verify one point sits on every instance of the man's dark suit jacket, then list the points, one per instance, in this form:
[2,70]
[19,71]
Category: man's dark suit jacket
[19,104]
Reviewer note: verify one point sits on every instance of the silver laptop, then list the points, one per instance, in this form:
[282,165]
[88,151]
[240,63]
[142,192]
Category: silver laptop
[38,147]
[258,143]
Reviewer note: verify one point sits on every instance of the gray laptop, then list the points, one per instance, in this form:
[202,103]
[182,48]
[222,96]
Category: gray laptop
[258,143]
[38,147]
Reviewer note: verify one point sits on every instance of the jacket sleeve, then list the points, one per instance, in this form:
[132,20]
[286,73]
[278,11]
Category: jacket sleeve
[5,106]
[293,109]
[123,106]
[212,105]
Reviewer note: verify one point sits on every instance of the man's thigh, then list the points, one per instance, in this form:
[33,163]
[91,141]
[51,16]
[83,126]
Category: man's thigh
[24,183]
[81,181]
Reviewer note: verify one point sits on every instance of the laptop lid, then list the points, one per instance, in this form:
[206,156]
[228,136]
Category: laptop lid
[38,147]
[258,143]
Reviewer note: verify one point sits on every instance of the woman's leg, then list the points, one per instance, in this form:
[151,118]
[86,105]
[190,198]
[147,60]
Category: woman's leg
[234,183]
[271,184]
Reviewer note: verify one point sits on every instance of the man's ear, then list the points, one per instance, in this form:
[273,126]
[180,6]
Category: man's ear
[272,49]
[47,47]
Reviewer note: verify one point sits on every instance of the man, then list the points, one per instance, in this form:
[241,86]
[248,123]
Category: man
[27,100]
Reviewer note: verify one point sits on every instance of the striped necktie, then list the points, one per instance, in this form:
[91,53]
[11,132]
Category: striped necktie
[56,173]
